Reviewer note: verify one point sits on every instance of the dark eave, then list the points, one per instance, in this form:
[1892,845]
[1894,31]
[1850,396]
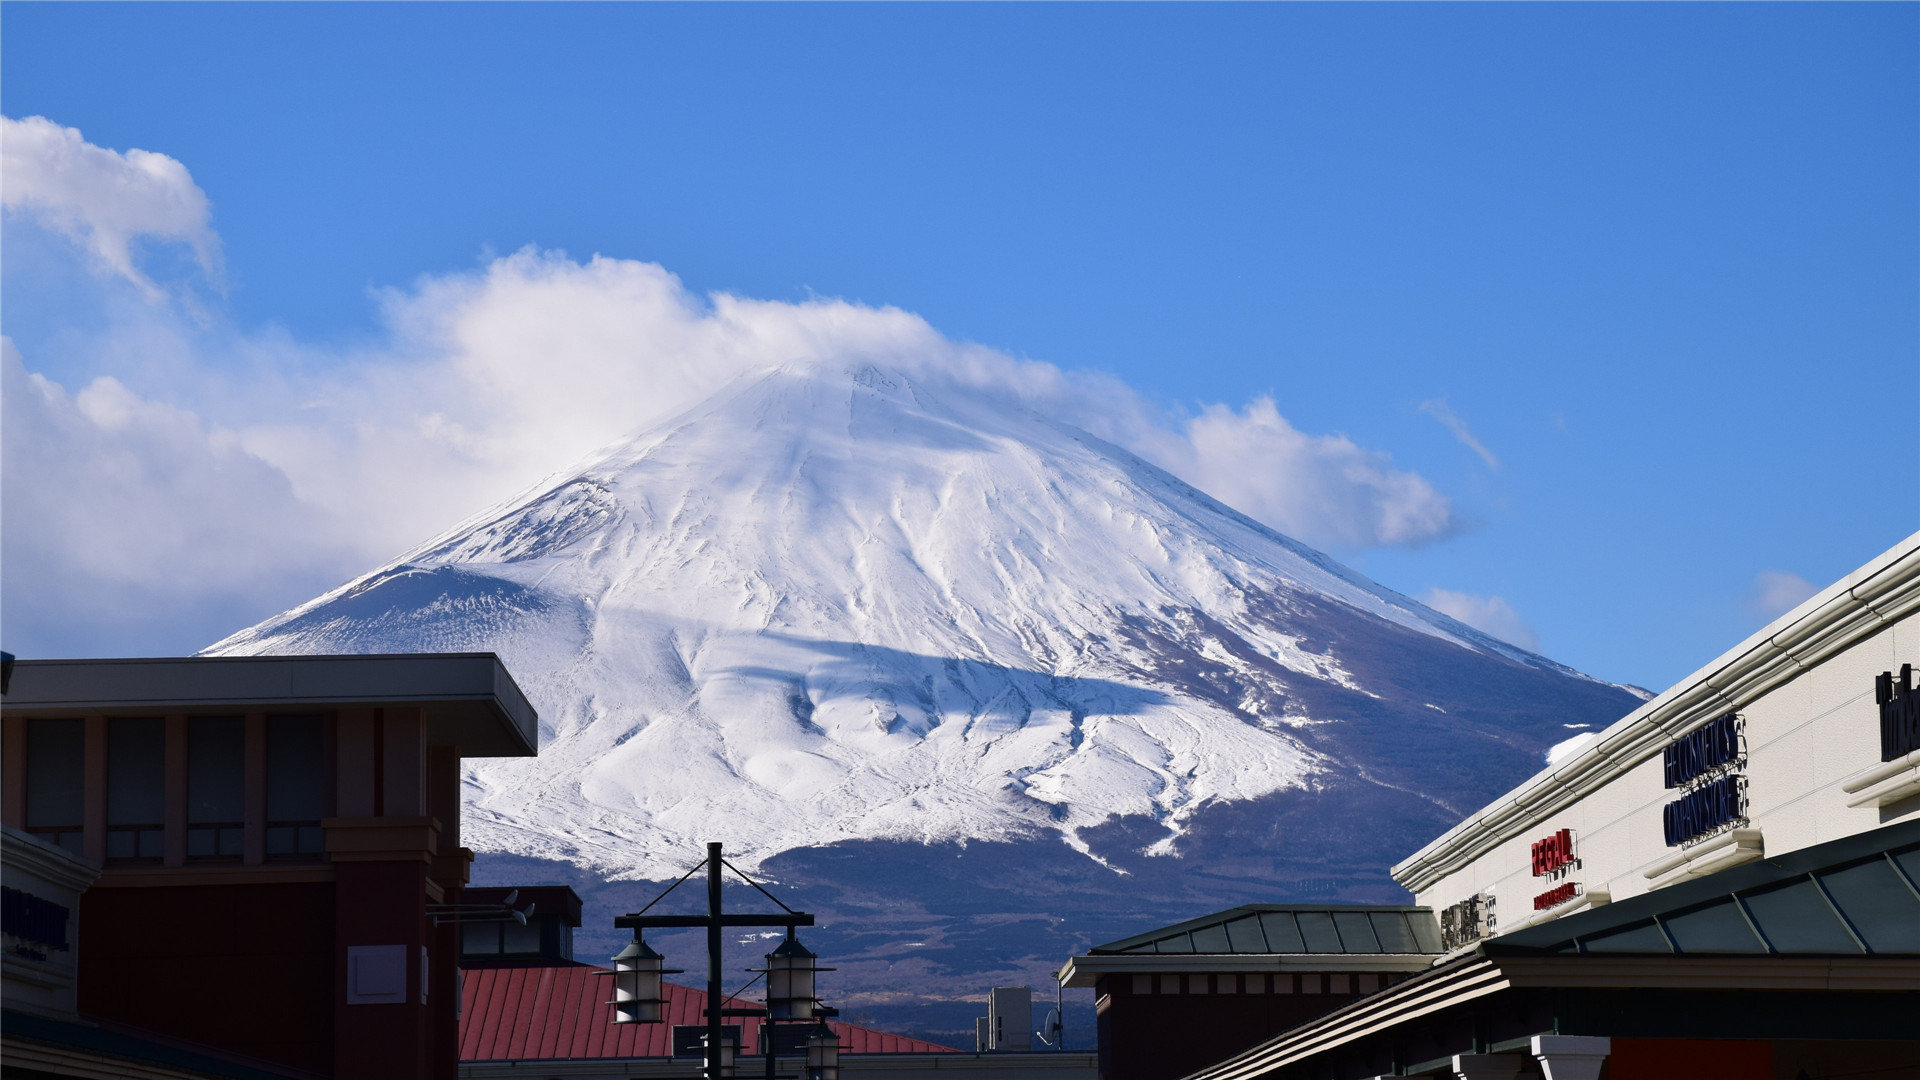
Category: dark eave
[469,700]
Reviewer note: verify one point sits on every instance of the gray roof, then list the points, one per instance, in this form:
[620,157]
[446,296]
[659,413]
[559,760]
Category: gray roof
[1293,928]
[1854,896]
[467,699]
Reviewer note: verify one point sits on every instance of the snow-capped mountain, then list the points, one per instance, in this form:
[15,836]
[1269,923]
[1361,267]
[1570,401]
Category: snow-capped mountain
[842,606]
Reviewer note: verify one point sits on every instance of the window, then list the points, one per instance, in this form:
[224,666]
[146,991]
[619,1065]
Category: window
[507,937]
[216,787]
[296,785]
[56,777]
[136,788]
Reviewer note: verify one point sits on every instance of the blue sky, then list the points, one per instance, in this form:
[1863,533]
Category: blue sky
[1655,263]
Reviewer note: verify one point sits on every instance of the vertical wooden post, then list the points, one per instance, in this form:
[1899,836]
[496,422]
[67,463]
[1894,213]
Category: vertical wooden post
[13,771]
[256,822]
[176,774]
[94,807]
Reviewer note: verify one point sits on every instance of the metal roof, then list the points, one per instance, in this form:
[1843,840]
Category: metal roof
[468,700]
[1344,929]
[1857,895]
[559,1012]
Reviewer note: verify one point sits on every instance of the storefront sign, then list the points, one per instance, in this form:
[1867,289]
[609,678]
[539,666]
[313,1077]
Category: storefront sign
[1553,858]
[1706,810]
[1711,747]
[1467,921]
[1554,854]
[1899,713]
[1557,895]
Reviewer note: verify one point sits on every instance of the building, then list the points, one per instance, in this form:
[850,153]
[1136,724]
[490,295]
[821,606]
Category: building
[262,854]
[1172,1000]
[1724,883]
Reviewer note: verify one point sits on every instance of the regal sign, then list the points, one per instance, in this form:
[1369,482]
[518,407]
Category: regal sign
[1553,858]
[1553,855]
[1899,713]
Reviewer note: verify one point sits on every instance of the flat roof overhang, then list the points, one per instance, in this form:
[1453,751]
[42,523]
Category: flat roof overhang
[1082,971]
[468,700]
[1873,987]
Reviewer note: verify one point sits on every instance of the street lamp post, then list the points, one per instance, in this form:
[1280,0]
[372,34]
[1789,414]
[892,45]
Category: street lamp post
[791,967]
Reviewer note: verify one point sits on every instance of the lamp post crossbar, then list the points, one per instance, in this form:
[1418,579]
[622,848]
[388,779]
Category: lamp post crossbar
[654,922]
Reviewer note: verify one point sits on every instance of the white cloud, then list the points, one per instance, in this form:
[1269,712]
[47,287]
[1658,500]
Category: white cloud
[123,515]
[104,201]
[1488,614]
[1441,411]
[1322,489]
[1775,592]
[221,459]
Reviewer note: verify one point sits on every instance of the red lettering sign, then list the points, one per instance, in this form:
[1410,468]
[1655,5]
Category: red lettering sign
[1553,853]
[1556,896]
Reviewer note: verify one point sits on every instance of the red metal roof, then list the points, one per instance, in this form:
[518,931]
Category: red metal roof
[560,1012]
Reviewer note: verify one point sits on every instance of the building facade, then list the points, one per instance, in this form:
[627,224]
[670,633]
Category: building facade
[1724,883]
[275,841]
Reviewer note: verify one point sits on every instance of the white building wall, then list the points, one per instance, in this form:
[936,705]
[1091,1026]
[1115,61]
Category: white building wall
[1805,687]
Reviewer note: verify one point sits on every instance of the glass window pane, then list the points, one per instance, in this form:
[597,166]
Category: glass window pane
[1641,938]
[520,939]
[282,840]
[136,771]
[1245,936]
[1283,935]
[1716,928]
[294,769]
[1878,905]
[1426,931]
[1391,929]
[1211,939]
[480,938]
[1174,943]
[202,841]
[1317,928]
[1797,920]
[56,773]
[216,769]
[1356,932]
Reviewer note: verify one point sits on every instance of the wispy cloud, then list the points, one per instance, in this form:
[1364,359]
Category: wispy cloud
[1488,614]
[1441,411]
[106,202]
[1776,592]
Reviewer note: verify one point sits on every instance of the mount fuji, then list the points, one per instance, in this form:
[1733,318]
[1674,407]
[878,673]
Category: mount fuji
[972,680]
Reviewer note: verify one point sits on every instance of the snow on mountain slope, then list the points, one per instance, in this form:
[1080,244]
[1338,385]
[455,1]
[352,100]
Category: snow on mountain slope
[832,605]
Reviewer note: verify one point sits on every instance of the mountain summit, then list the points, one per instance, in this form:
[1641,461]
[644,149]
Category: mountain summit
[845,605]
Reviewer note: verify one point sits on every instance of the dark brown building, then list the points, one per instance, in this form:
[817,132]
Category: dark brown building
[1173,1000]
[274,836]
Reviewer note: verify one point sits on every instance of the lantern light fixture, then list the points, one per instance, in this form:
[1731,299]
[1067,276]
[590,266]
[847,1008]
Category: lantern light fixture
[791,981]
[823,1053]
[636,983]
[719,1059]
